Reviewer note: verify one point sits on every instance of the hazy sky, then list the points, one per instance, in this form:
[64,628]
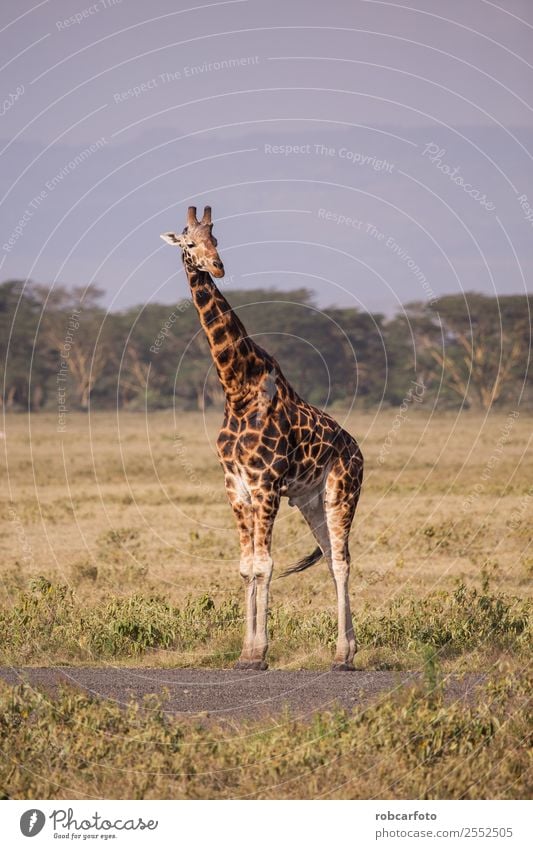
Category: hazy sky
[373,151]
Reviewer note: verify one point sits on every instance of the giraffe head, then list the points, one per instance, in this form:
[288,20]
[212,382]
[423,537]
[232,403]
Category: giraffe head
[198,244]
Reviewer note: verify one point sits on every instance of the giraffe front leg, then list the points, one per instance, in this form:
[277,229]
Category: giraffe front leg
[265,511]
[242,510]
[246,660]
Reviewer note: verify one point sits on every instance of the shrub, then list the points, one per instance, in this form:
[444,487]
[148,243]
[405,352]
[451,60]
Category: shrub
[462,620]
[48,623]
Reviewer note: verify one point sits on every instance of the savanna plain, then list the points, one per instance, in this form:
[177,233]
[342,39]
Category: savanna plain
[119,549]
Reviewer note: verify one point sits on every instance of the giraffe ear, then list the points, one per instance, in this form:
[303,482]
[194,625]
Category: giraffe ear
[172,239]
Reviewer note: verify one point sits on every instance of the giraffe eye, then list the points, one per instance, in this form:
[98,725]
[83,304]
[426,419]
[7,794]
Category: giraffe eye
[190,244]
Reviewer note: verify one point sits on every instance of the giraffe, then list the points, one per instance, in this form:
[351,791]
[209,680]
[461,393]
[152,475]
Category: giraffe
[272,444]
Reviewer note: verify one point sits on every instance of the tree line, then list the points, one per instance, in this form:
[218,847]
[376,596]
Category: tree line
[61,347]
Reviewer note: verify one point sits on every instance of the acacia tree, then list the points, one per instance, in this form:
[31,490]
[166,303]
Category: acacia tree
[134,376]
[75,328]
[480,344]
[27,362]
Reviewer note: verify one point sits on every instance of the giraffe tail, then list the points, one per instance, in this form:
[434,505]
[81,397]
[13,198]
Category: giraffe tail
[304,563]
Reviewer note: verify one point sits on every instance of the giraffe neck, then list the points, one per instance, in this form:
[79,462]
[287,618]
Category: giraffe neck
[240,364]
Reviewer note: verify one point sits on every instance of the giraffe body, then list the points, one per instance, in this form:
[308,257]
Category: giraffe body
[272,444]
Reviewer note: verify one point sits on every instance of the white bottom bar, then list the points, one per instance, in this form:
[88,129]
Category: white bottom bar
[267,825]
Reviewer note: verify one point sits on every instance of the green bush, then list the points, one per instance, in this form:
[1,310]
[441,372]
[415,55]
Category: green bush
[462,620]
[47,623]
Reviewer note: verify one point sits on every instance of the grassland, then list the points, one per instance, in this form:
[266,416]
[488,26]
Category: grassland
[124,519]
[119,547]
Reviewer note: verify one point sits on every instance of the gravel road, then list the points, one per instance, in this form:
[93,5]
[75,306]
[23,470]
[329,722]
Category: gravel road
[229,694]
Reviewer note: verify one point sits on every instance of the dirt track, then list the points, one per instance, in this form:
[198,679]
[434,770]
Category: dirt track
[227,694]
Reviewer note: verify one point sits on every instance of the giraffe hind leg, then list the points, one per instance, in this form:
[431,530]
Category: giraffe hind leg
[311,506]
[326,522]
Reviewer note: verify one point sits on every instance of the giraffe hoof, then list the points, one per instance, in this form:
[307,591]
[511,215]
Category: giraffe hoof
[342,667]
[260,665]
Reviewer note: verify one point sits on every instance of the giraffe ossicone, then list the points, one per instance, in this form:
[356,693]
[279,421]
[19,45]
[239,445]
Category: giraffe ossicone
[272,444]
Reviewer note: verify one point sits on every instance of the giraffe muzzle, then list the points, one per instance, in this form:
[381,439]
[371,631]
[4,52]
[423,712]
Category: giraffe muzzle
[217,269]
